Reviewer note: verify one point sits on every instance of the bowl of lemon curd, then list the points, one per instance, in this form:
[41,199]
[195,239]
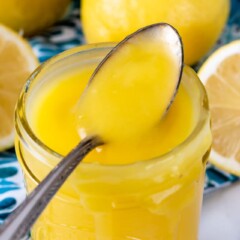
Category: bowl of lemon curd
[150,189]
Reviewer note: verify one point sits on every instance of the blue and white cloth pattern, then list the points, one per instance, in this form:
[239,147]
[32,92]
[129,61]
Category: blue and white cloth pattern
[67,34]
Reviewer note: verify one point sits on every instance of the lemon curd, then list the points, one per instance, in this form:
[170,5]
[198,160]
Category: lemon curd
[131,91]
[143,188]
[53,121]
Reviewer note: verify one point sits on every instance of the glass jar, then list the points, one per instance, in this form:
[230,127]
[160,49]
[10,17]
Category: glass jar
[155,199]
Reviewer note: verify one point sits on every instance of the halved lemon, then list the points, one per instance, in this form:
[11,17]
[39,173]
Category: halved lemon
[17,61]
[221,77]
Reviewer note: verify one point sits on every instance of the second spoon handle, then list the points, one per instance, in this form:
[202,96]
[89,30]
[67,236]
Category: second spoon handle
[21,220]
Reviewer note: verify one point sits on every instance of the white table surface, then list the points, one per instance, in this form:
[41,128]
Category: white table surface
[221,214]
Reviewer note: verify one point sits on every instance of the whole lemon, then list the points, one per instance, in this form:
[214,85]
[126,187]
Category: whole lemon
[31,16]
[199,22]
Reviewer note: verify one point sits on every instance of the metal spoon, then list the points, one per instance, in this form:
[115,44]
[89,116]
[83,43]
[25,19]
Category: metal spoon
[21,220]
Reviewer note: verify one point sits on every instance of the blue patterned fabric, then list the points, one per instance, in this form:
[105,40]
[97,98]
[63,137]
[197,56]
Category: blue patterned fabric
[64,35]
[12,190]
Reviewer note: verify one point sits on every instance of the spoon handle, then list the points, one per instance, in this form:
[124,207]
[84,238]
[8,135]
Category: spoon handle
[18,224]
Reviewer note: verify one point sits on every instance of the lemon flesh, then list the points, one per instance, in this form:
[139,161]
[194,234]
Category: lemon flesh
[17,62]
[221,76]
